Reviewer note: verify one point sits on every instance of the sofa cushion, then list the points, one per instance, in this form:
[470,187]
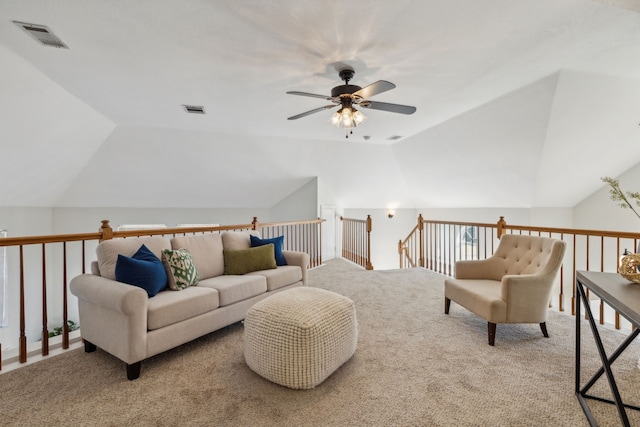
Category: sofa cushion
[108,250]
[283,276]
[168,307]
[235,240]
[278,243]
[143,269]
[244,261]
[236,288]
[206,251]
[181,271]
[481,296]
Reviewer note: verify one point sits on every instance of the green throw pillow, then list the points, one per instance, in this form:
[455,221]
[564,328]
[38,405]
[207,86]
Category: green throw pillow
[181,271]
[244,261]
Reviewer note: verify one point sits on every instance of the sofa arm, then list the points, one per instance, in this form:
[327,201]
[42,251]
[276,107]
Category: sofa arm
[527,297]
[489,269]
[301,259]
[113,316]
[109,293]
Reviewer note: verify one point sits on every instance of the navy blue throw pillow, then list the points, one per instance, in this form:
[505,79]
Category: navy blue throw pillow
[278,243]
[143,269]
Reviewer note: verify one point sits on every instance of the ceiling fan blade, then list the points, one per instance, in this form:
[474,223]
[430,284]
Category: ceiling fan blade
[312,95]
[316,110]
[385,106]
[374,89]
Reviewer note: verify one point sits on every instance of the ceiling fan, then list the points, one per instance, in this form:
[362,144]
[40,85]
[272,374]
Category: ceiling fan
[348,96]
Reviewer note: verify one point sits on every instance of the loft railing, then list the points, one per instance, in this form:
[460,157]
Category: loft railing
[437,245]
[301,236]
[46,264]
[356,241]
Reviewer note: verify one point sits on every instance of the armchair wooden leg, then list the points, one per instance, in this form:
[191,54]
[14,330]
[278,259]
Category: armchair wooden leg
[447,304]
[89,347]
[133,371]
[491,327]
[543,326]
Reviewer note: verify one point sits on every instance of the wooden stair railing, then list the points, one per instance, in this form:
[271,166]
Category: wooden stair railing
[302,236]
[356,241]
[441,243]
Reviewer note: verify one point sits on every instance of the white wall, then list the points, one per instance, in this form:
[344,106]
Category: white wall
[302,204]
[545,217]
[26,221]
[599,212]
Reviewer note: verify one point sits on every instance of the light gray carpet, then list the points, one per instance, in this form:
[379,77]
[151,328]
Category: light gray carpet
[414,366]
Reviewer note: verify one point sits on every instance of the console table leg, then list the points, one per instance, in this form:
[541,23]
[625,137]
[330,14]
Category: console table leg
[606,363]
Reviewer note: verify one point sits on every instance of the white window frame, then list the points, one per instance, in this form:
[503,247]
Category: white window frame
[128,227]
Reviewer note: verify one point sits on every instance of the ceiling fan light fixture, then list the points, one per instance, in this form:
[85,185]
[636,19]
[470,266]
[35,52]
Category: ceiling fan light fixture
[335,119]
[347,118]
[358,117]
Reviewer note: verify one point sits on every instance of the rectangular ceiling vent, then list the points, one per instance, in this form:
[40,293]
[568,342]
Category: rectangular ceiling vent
[395,137]
[42,34]
[194,109]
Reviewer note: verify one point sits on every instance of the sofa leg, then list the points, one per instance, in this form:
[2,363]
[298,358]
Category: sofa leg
[447,304]
[543,327]
[89,347]
[133,371]
[491,327]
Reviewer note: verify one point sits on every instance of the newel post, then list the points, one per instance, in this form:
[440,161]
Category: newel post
[502,227]
[106,230]
[421,237]
[369,266]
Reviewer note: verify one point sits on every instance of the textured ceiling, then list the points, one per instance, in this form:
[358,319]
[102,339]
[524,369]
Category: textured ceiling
[520,103]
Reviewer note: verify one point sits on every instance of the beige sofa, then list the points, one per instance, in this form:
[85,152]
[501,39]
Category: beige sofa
[124,321]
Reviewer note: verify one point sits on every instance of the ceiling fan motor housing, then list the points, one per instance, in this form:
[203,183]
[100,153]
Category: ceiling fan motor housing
[344,90]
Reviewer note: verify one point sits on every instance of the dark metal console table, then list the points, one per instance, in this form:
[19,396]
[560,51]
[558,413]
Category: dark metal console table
[624,297]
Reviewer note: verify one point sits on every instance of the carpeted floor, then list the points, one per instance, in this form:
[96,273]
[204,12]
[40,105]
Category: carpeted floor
[414,366]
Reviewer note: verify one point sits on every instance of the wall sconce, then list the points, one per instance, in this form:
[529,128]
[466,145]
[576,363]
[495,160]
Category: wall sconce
[391,213]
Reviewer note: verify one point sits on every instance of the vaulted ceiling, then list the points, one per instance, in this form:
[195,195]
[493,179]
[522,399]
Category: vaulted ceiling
[520,103]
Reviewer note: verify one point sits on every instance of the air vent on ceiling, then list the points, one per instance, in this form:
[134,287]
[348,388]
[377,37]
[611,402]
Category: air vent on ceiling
[395,137]
[42,34]
[193,109]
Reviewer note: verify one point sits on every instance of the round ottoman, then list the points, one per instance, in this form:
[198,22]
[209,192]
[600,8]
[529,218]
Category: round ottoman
[298,337]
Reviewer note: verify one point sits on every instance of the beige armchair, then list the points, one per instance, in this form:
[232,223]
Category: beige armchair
[512,286]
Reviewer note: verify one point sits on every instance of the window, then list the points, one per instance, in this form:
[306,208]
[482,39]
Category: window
[127,227]
[469,234]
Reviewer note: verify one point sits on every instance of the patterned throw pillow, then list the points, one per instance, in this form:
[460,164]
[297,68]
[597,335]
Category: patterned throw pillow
[181,271]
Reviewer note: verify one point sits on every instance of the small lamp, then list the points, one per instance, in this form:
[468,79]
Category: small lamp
[391,213]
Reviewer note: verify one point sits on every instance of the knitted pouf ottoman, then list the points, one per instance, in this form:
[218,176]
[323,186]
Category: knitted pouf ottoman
[297,338]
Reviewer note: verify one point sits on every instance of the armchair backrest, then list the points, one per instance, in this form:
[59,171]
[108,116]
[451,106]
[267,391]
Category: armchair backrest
[522,254]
